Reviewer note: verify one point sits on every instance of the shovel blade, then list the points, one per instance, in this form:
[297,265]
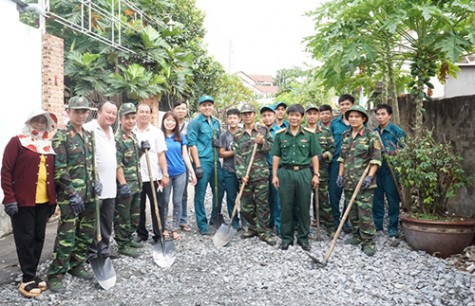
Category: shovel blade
[164,256]
[316,260]
[103,271]
[223,235]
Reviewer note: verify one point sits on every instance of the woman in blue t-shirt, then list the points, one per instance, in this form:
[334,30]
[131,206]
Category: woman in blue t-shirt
[178,162]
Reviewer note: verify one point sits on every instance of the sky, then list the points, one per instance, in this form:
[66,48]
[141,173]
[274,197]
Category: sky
[257,36]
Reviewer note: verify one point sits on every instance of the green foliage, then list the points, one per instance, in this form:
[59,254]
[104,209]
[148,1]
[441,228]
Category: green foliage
[431,171]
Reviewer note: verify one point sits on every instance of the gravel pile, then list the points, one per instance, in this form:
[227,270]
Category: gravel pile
[249,272]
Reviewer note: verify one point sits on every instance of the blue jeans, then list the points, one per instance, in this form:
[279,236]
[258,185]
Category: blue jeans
[178,184]
[386,186]
[184,201]
[274,205]
[200,192]
[230,184]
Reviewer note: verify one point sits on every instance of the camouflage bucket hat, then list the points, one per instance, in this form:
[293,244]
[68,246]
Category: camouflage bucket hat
[248,108]
[127,108]
[357,108]
[78,102]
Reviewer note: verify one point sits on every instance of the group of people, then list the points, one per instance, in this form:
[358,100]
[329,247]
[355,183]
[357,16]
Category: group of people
[87,164]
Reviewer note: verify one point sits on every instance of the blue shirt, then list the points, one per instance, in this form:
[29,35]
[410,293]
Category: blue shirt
[200,134]
[174,154]
[338,126]
[273,129]
[391,137]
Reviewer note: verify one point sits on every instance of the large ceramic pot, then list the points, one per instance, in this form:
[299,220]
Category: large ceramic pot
[439,238]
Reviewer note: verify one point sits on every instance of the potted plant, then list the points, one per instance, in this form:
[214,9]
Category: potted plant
[431,173]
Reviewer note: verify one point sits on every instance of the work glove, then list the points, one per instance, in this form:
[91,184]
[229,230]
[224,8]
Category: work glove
[340,181]
[199,172]
[98,188]
[367,182]
[215,143]
[145,145]
[77,204]
[124,191]
[11,209]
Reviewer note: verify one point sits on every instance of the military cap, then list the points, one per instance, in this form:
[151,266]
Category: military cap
[248,108]
[127,108]
[281,103]
[312,106]
[267,108]
[78,102]
[357,108]
[204,99]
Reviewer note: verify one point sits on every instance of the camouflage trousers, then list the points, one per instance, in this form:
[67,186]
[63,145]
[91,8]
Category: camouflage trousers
[73,238]
[126,218]
[361,214]
[325,208]
[255,206]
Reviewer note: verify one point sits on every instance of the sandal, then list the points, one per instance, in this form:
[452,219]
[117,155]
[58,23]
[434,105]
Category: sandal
[41,284]
[165,234]
[175,235]
[29,289]
[185,228]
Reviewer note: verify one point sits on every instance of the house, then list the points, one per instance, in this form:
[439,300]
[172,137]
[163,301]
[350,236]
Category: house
[262,86]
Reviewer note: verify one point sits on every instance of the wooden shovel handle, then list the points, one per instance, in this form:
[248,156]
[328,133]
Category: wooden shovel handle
[154,193]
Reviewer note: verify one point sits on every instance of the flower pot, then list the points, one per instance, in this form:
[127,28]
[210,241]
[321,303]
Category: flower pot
[438,238]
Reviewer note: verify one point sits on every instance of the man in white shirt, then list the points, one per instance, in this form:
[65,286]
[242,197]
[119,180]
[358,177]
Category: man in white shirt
[152,137]
[106,165]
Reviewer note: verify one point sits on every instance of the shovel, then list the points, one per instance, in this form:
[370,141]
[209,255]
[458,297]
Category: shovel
[101,266]
[226,232]
[218,218]
[163,253]
[342,221]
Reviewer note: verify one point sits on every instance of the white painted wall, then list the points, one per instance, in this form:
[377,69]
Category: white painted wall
[463,85]
[20,79]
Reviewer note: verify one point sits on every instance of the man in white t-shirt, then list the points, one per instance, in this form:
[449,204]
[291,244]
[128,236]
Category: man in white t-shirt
[106,165]
[151,138]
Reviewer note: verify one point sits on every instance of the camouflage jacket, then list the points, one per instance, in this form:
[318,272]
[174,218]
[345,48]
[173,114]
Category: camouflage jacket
[327,143]
[128,157]
[357,153]
[74,163]
[243,145]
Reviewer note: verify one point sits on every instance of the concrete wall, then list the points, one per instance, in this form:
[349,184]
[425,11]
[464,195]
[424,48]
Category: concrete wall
[463,85]
[452,121]
[20,80]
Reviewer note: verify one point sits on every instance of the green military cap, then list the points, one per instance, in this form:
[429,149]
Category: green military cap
[266,108]
[357,108]
[204,99]
[248,108]
[127,108]
[78,102]
[312,106]
[281,103]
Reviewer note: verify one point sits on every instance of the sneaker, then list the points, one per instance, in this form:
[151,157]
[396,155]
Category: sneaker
[128,251]
[29,289]
[269,239]
[355,240]
[134,244]
[305,245]
[80,272]
[369,248]
[393,242]
[248,234]
[204,232]
[285,246]
[40,283]
[55,284]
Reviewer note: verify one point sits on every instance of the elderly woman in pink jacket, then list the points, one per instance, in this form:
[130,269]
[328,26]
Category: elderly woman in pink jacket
[27,178]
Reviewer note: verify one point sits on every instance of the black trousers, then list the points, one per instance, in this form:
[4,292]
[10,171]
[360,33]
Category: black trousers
[147,191]
[29,226]
[107,220]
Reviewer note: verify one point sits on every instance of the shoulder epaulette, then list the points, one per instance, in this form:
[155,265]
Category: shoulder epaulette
[308,130]
[281,131]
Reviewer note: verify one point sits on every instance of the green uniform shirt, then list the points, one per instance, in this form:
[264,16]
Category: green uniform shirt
[243,145]
[128,157]
[73,163]
[357,153]
[295,150]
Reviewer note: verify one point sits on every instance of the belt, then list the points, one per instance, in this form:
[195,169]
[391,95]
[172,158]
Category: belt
[295,167]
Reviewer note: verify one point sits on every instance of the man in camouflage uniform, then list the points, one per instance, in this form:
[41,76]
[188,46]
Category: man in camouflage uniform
[360,148]
[127,209]
[254,204]
[295,156]
[75,188]
[325,139]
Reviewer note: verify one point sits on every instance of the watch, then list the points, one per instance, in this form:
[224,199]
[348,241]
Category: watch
[317,174]
[166,175]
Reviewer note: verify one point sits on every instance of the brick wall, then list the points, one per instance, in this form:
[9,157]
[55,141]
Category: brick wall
[53,75]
